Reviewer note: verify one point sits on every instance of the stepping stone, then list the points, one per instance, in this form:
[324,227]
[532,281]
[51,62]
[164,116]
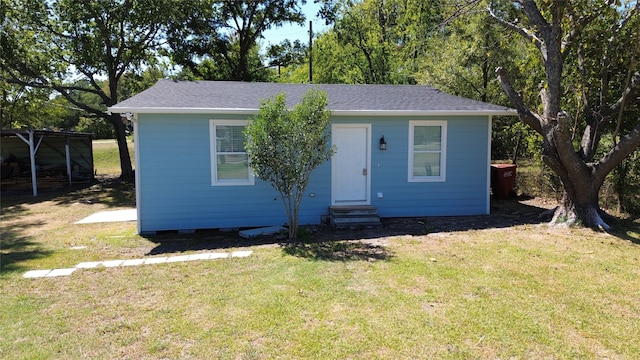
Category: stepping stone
[156,260]
[112,263]
[36,273]
[199,257]
[133,262]
[178,258]
[241,254]
[88,265]
[61,272]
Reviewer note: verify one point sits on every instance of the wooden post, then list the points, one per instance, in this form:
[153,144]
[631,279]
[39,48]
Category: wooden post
[310,51]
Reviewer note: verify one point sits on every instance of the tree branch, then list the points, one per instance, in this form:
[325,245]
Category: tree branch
[626,146]
[581,22]
[525,114]
[460,11]
[79,104]
[526,33]
[630,92]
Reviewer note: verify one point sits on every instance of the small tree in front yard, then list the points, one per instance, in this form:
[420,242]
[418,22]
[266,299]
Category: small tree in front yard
[284,146]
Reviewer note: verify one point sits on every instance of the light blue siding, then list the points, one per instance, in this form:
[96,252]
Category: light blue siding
[175,191]
[174,183]
[463,193]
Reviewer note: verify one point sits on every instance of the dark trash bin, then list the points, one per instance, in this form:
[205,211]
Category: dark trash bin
[503,180]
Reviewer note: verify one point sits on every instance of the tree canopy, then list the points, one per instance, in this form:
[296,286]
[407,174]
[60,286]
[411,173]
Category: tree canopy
[73,50]
[223,36]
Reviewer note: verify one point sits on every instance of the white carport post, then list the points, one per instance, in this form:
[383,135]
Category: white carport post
[33,148]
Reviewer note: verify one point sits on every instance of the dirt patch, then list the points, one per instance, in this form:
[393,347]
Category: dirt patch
[504,214]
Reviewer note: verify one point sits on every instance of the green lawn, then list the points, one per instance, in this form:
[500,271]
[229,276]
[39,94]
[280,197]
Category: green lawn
[105,156]
[525,292]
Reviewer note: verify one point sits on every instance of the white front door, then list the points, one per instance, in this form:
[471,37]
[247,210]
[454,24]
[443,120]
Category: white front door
[350,168]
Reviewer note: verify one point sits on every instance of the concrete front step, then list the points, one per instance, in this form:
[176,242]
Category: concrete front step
[346,217]
[353,210]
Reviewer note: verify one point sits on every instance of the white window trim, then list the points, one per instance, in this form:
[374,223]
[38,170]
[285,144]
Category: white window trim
[213,152]
[443,152]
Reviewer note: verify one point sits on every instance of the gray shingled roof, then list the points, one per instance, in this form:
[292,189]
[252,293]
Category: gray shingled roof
[170,96]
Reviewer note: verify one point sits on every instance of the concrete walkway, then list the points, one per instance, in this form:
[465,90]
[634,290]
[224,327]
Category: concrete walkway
[110,216]
[134,262]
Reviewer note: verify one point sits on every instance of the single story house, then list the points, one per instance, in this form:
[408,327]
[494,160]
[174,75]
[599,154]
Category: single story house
[406,150]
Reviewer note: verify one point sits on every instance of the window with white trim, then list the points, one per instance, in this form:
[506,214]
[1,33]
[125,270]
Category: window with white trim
[427,151]
[229,160]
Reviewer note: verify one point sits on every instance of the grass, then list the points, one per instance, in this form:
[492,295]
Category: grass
[105,156]
[528,291]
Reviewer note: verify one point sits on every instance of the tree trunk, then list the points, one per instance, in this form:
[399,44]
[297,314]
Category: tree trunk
[123,149]
[579,206]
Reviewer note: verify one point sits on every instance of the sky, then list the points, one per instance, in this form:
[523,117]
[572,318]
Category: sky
[296,32]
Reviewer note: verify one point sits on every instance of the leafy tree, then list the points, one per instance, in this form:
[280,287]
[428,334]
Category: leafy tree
[375,41]
[284,146]
[460,59]
[583,92]
[53,44]
[223,36]
[286,53]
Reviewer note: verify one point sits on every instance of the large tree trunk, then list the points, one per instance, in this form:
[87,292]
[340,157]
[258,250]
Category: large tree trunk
[571,212]
[123,149]
[579,204]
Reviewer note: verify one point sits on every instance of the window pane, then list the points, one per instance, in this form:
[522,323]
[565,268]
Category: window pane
[427,138]
[229,138]
[426,164]
[232,167]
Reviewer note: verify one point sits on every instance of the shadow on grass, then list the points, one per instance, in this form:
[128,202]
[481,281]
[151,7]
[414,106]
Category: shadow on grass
[16,249]
[171,242]
[627,229]
[338,251]
[107,190]
[212,240]
[323,242]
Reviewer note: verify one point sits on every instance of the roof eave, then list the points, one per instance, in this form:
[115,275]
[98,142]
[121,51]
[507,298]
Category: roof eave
[231,111]
[174,110]
[505,112]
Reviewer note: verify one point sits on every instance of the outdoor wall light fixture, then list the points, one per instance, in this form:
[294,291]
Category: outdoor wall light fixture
[383,143]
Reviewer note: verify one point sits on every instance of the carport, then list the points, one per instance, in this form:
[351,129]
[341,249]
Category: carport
[45,157]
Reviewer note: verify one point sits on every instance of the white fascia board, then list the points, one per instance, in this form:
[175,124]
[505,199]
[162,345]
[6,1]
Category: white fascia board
[230,111]
[173,110]
[422,112]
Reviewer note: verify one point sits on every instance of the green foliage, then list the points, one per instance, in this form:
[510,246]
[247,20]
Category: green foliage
[375,42]
[21,107]
[219,40]
[286,53]
[100,128]
[626,180]
[284,146]
[132,83]
[47,43]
